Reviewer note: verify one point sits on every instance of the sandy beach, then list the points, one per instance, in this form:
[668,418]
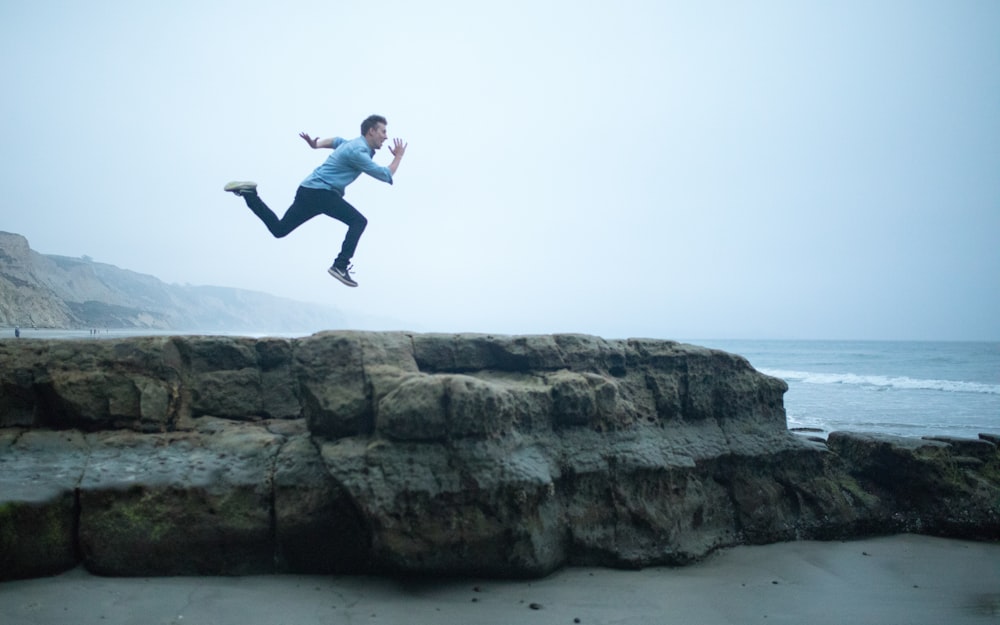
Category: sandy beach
[900,579]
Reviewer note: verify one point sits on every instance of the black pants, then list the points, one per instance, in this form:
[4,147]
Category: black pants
[309,203]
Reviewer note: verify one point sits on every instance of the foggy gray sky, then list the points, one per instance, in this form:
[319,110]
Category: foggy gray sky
[662,169]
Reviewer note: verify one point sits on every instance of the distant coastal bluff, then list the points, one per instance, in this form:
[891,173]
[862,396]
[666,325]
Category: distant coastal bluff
[381,452]
[49,291]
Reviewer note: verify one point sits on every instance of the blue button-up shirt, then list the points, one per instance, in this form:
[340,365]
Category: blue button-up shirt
[348,161]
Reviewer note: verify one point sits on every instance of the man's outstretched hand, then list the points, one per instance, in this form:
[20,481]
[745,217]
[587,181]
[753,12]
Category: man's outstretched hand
[397,149]
[311,141]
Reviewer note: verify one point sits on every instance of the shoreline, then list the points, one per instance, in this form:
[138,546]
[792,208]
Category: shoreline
[904,578]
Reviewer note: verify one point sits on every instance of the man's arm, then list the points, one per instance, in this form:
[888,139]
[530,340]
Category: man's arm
[361,159]
[317,142]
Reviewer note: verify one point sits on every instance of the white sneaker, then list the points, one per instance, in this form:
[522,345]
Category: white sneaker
[240,188]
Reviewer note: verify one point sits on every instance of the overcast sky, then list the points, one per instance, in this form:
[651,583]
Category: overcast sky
[735,169]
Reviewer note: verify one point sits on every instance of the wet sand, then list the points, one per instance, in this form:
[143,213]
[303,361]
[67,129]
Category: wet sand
[900,579]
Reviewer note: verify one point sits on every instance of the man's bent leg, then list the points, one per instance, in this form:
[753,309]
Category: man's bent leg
[305,207]
[340,210]
[260,209]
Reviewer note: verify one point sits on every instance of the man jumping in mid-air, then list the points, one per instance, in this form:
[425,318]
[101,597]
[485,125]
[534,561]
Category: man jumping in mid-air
[323,191]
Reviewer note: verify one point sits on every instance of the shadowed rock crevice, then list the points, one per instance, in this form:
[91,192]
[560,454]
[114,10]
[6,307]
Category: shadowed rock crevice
[350,452]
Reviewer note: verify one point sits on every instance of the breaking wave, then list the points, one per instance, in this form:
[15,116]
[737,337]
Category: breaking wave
[884,382]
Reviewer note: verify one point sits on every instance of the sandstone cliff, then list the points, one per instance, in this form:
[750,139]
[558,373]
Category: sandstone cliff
[49,291]
[439,454]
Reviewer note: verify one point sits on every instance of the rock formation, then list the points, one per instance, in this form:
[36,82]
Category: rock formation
[435,454]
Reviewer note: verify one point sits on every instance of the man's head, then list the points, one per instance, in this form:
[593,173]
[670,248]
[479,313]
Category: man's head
[373,130]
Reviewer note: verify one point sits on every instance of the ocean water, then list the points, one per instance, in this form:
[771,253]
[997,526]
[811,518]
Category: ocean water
[892,387]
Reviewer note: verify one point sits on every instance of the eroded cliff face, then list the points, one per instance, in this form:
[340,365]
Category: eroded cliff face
[443,454]
[24,299]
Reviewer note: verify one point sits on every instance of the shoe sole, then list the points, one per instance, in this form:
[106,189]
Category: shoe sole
[342,279]
[239,187]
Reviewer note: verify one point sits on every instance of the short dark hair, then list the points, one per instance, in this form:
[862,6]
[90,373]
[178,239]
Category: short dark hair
[370,123]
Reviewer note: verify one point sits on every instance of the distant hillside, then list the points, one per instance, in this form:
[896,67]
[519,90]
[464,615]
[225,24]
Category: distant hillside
[49,291]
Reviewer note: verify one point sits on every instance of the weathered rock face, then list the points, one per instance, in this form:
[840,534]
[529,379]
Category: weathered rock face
[444,454]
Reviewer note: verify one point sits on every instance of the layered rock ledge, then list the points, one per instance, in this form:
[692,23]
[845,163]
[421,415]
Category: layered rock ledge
[436,454]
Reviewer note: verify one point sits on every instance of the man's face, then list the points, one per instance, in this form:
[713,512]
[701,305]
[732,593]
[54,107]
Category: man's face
[376,136]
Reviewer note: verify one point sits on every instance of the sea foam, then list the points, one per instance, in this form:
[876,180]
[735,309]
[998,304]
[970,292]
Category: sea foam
[884,382]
